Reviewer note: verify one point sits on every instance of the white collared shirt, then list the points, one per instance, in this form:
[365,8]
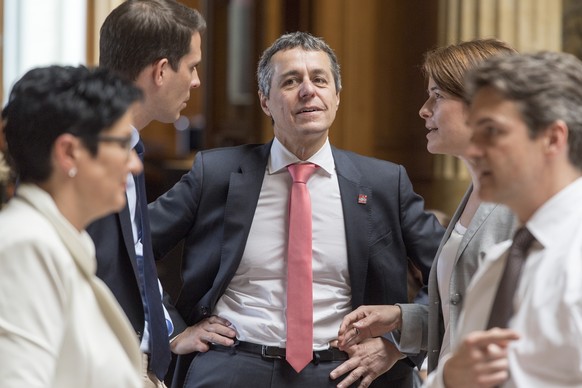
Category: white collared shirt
[132,197]
[255,299]
[548,300]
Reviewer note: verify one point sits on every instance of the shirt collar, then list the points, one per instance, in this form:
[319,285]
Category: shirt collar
[280,157]
[551,220]
[134,136]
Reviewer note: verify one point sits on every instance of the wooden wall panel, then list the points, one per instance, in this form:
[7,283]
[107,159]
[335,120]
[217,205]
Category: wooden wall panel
[353,128]
[380,45]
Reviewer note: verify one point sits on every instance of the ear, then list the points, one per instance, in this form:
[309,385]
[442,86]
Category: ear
[555,138]
[263,99]
[338,101]
[65,153]
[160,69]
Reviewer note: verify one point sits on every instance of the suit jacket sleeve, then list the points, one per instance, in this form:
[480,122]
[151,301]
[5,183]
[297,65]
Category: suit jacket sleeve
[409,233]
[173,214]
[421,230]
[413,338]
[171,217]
[422,234]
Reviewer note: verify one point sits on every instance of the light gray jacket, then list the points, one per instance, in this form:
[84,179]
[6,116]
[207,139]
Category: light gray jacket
[423,326]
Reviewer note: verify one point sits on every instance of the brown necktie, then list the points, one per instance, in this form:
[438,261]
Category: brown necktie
[502,309]
[299,350]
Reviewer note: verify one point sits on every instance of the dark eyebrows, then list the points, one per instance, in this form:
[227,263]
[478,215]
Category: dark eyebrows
[317,72]
[483,121]
[433,89]
[289,74]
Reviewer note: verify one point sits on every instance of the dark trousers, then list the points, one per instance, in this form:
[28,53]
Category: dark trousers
[237,369]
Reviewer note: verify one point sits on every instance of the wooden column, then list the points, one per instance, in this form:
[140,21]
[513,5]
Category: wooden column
[97,11]
[272,26]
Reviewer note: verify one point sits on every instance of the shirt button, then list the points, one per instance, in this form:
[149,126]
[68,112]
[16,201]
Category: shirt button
[456,299]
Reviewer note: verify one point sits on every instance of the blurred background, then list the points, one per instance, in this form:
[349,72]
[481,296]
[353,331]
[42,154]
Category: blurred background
[379,43]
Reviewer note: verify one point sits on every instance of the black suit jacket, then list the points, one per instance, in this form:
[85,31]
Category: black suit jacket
[213,205]
[116,264]
[117,267]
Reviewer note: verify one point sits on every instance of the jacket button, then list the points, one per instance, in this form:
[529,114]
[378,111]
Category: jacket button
[456,299]
[205,310]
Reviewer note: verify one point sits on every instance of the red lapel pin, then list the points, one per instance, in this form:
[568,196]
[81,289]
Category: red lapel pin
[362,199]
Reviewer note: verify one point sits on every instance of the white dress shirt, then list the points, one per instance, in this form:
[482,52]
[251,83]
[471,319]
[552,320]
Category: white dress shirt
[255,300]
[548,300]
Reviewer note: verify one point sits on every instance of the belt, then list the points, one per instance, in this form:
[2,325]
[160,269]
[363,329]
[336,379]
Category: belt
[273,352]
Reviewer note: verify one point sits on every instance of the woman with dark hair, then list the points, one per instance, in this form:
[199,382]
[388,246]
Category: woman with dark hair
[68,137]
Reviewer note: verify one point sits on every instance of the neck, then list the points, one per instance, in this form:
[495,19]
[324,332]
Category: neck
[66,201]
[303,148]
[474,201]
[551,183]
[141,118]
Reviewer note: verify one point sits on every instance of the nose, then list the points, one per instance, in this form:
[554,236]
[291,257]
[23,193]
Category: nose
[307,89]
[474,151]
[134,163]
[195,81]
[424,111]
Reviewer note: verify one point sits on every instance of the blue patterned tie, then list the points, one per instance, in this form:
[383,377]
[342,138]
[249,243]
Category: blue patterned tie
[159,340]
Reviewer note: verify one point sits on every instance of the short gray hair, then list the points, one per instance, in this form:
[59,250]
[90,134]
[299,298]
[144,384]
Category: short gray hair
[290,41]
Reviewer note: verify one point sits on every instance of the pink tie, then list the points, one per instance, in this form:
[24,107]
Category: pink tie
[299,351]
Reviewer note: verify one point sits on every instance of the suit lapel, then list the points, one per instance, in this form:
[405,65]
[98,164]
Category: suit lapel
[243,194]
[433,281]
[127,233]
[357,218]
[478,220]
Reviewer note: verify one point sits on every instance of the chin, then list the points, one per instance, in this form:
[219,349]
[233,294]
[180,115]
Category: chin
[486,195]
[119,204]
[168,118]
[431,148]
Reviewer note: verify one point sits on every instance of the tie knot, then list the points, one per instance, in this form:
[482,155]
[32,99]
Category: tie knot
[523,239]
[301,172]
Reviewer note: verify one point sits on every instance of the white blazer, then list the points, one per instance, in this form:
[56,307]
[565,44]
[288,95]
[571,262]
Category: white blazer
[60,326]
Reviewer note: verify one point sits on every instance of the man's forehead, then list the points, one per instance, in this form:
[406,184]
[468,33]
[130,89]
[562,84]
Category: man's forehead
[299,52]
[195,52]
[486,97]
[489,105]
[297,57]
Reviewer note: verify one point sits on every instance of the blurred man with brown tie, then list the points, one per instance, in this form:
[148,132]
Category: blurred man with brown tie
[522,321]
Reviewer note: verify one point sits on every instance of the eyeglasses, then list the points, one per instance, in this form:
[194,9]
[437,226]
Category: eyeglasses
[123,142]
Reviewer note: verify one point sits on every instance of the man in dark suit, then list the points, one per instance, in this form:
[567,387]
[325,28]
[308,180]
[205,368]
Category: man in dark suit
[156,44]
[232,211]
